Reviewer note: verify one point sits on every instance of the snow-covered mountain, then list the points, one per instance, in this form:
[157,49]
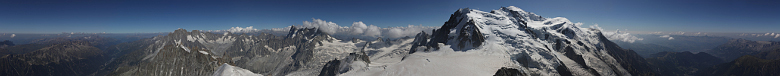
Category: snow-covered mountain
[302,52]
[478,43]
[471,43]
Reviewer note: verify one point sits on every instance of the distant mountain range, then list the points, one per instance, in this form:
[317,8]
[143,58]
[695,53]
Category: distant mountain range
[56,56]
[736,48]
[738,57]
[683,63]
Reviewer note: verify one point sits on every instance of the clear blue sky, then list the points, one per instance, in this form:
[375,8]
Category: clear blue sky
[115,16]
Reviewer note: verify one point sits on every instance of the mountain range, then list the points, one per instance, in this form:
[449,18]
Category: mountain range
[504,42]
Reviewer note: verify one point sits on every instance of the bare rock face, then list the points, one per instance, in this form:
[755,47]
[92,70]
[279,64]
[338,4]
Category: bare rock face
[504,71]
[336,66]
[331,68]
[466,34]
[420,43]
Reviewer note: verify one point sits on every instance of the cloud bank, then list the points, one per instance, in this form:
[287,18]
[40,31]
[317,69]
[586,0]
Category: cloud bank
[242,30]
[358,30]
[617,35]
[363,31]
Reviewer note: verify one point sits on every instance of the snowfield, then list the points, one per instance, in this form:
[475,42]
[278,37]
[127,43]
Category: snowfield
[445,62]
[229,70]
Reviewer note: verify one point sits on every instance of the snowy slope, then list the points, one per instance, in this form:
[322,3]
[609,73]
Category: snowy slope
[229,70]
[477,43]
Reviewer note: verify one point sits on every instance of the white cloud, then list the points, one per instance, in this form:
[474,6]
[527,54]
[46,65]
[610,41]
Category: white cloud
[410,30]
[596,26]
[617,35]
[13,35]
[667,36]
[664,36]
[239,29]
[359,28]
[327,27]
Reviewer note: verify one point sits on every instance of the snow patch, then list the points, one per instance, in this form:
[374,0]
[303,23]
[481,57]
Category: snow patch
[777,35]
[185,48]
[204,52]
[444,62]
[191,39]
[269,49]
[230,70]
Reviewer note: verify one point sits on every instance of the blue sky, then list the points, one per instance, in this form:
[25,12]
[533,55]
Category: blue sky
[114,16]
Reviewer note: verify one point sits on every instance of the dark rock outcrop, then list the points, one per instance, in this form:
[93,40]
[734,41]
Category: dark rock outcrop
[569,52]
[336,66]
[420,42]
[563,71]
[468,34]
[331,68]
[504,71]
